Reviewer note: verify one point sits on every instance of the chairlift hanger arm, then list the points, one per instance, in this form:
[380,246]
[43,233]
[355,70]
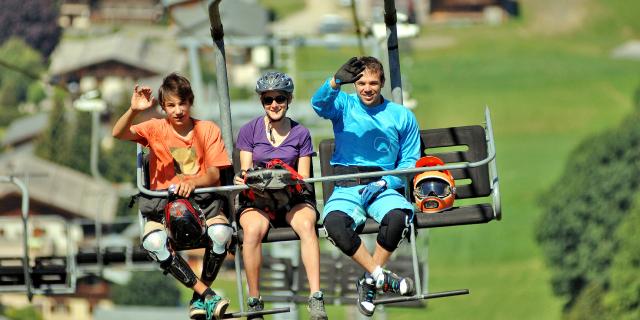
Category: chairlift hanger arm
[25,231]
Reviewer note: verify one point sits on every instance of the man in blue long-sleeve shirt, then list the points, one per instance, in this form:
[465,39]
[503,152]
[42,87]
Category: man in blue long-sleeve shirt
[371,134]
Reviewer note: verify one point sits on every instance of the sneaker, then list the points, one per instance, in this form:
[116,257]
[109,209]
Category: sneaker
[366,287]
[255,304]
[391,282]
[196,309]
[215,306]
[316,306]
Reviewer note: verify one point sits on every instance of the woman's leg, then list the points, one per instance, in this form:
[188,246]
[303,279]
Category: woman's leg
[302,219]
[255,224]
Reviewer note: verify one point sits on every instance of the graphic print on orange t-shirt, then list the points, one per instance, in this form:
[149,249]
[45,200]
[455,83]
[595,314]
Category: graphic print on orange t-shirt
[185,161]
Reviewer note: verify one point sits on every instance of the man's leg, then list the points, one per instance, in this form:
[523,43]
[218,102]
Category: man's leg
[339,228]
[393,228]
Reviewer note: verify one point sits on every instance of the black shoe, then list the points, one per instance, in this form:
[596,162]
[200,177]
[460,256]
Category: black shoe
[366,294]
[391,282]
[255,304]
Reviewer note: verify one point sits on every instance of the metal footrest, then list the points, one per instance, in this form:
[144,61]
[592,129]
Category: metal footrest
[255,313]
[422,296]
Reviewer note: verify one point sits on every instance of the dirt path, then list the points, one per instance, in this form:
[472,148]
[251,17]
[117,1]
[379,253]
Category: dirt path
[306,21]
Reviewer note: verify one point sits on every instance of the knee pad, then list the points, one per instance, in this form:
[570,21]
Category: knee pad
[155,242]
[393,228]
[220,234]
[180,270]
[338,225]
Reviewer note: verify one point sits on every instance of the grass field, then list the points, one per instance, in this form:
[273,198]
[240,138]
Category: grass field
[550,83]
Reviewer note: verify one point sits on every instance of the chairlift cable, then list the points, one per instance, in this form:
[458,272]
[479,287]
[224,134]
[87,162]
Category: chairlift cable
[356,23]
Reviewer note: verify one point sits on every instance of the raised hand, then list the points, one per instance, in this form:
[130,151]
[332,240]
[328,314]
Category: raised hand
[350,72]
[142,98]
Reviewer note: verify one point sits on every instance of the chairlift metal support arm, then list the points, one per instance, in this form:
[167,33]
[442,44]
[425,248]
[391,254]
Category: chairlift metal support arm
[25,229]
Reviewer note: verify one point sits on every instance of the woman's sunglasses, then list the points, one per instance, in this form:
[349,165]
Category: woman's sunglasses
[269,100]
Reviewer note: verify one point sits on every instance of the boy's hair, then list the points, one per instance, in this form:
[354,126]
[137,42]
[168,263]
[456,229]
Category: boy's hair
[373,65]
[177,85]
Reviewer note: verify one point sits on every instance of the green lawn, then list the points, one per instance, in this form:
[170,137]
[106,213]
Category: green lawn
[547,92]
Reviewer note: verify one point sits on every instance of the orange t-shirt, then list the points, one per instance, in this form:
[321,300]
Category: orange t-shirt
[173,157]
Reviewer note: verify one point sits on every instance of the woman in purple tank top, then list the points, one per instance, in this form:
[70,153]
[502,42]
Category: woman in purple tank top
[275,136]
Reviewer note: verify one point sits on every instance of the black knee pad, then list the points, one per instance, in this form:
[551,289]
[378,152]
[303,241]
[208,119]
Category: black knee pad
[338,226]
[393,227]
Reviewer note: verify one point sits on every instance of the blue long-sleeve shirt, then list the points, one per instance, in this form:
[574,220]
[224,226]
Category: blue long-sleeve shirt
[386,135]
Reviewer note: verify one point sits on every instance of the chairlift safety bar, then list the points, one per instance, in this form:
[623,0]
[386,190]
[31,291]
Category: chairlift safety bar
[228,190]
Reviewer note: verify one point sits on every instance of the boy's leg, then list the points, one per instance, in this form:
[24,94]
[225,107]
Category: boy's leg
[220,233]
[155,242]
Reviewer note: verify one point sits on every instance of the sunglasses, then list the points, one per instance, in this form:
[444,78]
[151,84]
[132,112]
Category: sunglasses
[268,100]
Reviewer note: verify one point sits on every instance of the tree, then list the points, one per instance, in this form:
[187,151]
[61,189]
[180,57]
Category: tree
[14,85]
[624,292]
[35,21]
[589,305]
[150,288]
[67,141]
[54,143]
[585,206]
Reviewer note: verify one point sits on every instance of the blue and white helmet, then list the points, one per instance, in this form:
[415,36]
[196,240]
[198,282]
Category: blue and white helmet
[274,80]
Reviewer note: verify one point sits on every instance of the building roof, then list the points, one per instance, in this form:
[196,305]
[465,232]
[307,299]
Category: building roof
[24,129]
[239,18]
[158,56]
[59,186]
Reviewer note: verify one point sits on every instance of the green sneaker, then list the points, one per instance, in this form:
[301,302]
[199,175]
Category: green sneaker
[215,306]
[196,309]
[255,304]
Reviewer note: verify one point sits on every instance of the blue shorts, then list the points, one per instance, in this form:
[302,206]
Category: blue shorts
[349,201]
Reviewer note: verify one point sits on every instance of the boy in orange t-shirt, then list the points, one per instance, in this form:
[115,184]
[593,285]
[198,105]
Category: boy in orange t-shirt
[185,153]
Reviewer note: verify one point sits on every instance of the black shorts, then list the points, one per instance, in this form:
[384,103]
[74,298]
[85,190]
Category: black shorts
[152,208]
[277,218]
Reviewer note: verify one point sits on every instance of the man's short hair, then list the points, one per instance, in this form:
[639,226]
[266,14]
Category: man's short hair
[373,65]
[177,85]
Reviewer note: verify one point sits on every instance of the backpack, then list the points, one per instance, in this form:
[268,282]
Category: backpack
[272,188]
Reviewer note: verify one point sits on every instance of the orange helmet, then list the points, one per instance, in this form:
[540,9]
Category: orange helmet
[434,191]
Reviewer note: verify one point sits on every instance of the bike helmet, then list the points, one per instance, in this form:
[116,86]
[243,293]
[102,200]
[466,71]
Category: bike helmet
[274,80]
[184,222]
[434,191]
